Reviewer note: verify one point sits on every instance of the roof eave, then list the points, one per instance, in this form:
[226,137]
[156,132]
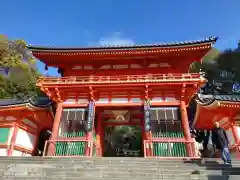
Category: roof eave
[210,40]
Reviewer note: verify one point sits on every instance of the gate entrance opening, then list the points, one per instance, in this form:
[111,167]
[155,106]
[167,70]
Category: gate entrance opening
[122,132]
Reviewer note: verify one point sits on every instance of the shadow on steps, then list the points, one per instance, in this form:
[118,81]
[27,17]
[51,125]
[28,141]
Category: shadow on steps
[229,172]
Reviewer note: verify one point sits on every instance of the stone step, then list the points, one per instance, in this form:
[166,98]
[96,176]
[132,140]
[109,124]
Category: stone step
[97,173]
[113,168]
[121,178]
[124,178]
[110,161]
[140,160]
[119,167]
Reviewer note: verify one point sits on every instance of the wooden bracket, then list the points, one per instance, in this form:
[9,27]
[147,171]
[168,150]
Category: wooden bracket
[146,91]
[58,96]
[91,93]
[183,91]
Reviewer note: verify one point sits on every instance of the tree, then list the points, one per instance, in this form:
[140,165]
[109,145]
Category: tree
[207,62]
[221,69]
[20,81]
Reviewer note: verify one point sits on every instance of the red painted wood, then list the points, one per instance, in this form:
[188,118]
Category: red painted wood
[58,114]
[185,125]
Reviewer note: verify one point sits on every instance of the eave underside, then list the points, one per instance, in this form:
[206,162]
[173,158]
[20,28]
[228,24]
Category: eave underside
[62,60]
[180,91]
[207,114]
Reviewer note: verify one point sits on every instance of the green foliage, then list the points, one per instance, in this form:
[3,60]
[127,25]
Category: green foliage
[214,62]
[212,55]
[222,70]
[21,80]
[207,62]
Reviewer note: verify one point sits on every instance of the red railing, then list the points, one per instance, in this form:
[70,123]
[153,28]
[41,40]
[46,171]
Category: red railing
[190,77]
[68,148]
[177,148]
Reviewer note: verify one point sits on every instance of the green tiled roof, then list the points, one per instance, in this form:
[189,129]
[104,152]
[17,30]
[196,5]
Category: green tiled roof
[206,100]
[159,45]
[234,98]
[38,102]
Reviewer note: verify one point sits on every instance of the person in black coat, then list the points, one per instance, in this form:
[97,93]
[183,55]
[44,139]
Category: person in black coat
[221,142]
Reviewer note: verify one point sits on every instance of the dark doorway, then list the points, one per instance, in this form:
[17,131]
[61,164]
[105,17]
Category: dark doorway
[44,135]
[122,141]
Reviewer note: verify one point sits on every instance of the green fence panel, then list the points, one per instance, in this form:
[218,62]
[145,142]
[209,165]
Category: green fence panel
[169,149]
[70,148]
[73,134]
[4,133]
[167,134]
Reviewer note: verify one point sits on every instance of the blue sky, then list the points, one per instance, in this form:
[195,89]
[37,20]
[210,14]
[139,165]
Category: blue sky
[99,22]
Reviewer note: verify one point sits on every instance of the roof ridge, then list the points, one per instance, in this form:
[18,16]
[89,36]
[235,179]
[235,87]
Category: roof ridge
[210,39]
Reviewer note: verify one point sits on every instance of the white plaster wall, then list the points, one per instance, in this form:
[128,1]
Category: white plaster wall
[157,99]
[3,152]
[19,153]
[163,99]
[102,100]
[82,101]
[135,100]
[170,99]
[119,100]
[25,154]
[230,136]
[238,131]
[25,139]
[69,101]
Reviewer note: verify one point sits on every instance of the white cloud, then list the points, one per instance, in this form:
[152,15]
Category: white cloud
[115,41]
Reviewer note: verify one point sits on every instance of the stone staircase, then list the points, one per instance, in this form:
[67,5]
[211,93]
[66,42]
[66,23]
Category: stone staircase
[124,168]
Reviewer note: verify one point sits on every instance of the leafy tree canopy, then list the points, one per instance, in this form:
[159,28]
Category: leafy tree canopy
[221,68]
[21,77]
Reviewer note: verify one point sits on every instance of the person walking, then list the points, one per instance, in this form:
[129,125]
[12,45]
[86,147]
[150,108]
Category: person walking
[221,142]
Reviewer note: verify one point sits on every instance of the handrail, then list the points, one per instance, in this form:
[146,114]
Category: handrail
[121,78]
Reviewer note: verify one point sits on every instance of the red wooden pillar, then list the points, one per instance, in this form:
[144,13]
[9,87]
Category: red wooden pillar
[99,136]
[235,134]
[58,115]
[236,139]
[186,129]
[14,136]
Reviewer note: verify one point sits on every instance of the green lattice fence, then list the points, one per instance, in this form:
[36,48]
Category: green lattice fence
[4,133]
[173,149]
[71,148]
[167,135]
[73,134]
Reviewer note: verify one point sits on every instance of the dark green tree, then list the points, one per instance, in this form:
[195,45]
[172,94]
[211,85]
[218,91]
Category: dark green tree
[222,70]
[20,81]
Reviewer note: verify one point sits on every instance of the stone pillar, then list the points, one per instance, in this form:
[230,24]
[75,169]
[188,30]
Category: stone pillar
[55,129]
[185,126]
